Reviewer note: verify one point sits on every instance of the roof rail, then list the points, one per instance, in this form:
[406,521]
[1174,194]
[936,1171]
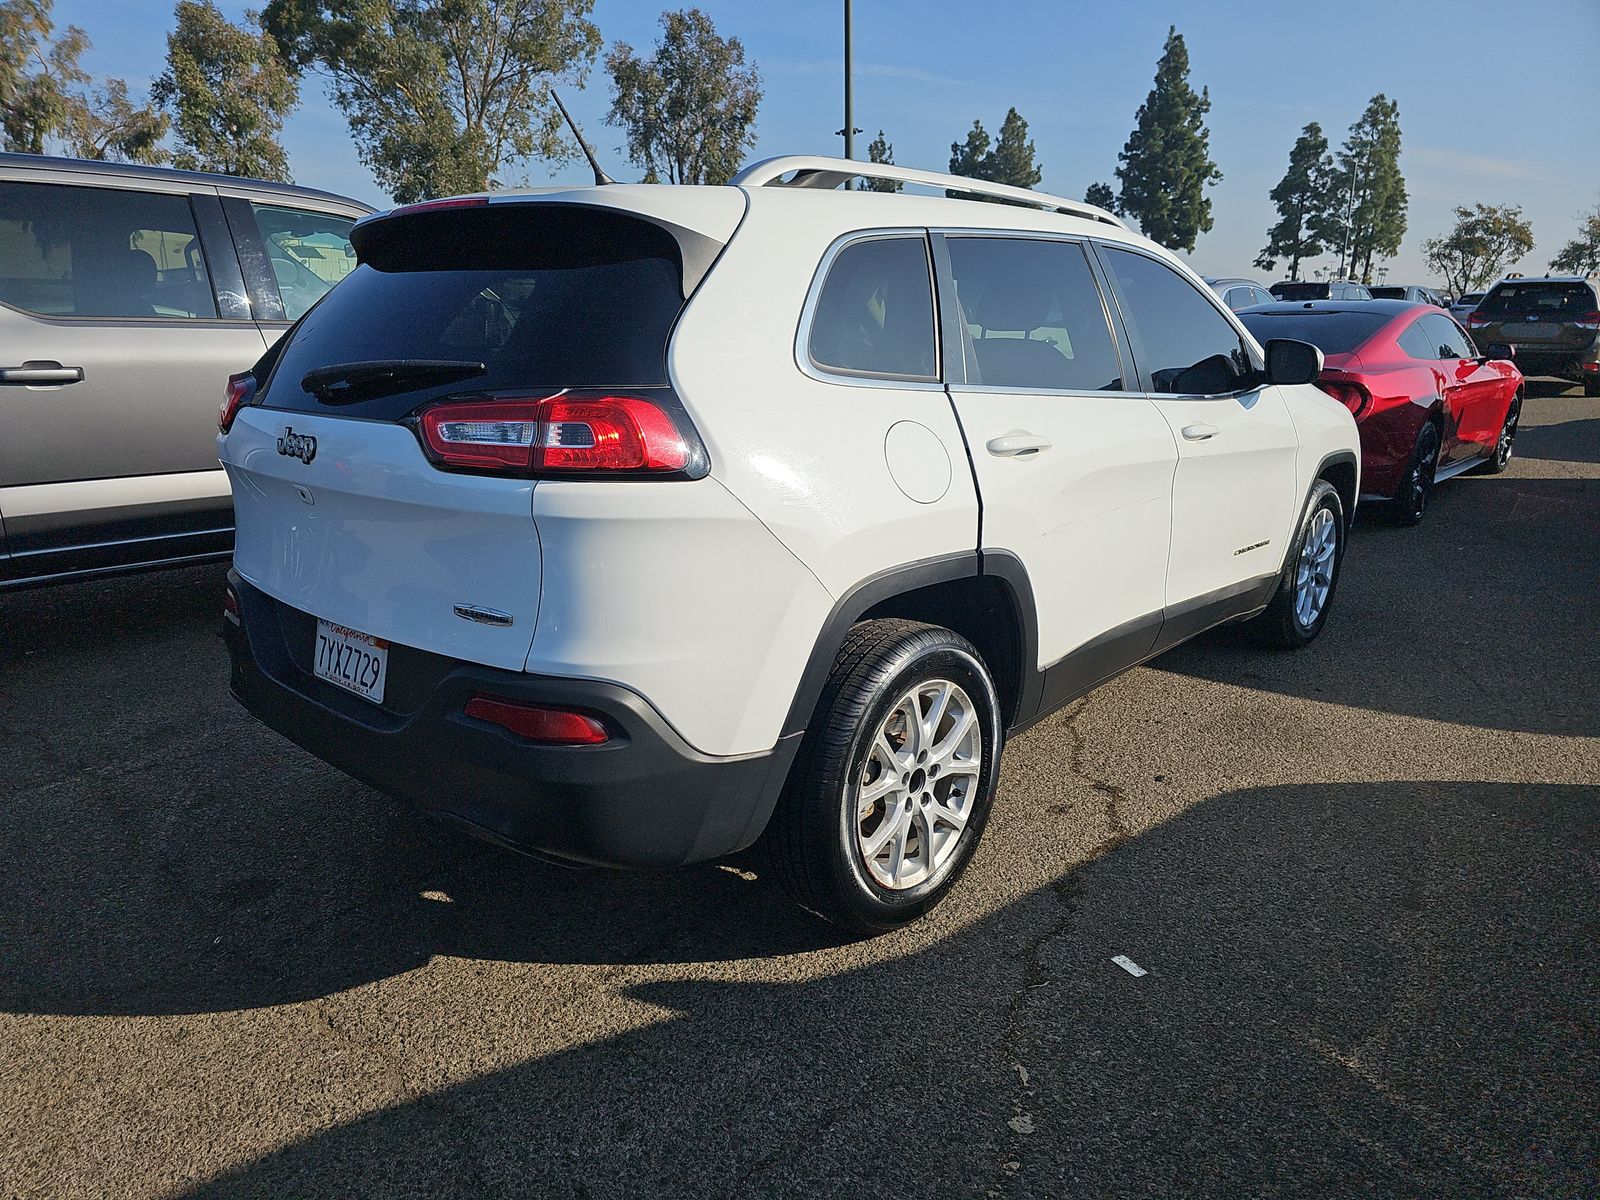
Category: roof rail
[817,171]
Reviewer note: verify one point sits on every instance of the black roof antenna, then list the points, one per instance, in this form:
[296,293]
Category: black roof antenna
[600,177]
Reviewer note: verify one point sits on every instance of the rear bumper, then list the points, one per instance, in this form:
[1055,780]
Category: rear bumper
[1567,362]
[643,799]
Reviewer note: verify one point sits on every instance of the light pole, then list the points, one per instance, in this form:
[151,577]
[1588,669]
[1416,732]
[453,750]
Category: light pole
[849,131]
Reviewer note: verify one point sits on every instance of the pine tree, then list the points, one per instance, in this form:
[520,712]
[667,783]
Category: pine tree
[1010,160]
[1371,188]
[1101,196]
[967,158]
[881,150]
[1166,163]
[1302,197]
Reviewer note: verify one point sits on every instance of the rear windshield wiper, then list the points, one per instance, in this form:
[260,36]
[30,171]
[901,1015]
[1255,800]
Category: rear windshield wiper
[345,383]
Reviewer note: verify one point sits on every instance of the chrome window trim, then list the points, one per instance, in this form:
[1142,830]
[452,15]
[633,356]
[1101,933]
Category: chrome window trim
[839,375]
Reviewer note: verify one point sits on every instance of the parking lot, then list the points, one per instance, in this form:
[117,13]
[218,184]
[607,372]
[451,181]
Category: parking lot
[1363,881]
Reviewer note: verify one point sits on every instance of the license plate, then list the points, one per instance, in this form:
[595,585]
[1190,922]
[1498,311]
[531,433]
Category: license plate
[1538,333]
[348,658]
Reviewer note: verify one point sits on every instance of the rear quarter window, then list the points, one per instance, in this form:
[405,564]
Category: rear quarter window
[874,314]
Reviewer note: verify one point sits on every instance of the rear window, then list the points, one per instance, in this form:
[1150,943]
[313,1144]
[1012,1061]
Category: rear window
[1559,301]
[544,297]
[1332,332]
[1388,293]
[1300,291]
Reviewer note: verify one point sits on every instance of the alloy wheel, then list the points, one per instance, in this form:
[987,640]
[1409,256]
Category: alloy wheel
[918,785]
[1313,578]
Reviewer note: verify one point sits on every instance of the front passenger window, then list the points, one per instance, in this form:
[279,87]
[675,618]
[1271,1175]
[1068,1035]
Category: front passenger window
[1184,345]
[875,313]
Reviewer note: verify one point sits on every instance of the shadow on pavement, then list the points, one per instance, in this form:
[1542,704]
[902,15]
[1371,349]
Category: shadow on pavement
[1483,615]
[1401,1002]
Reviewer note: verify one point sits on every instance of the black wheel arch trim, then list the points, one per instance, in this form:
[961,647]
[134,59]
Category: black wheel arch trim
[910,577]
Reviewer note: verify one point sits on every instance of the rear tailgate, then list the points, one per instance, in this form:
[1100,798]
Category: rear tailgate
[1554,316]
[340,511]
[363,532]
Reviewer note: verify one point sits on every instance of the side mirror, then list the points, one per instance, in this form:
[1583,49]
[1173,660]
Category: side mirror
[1289,361]
[1500,350]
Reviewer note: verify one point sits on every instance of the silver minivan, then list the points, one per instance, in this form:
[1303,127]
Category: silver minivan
[128,295]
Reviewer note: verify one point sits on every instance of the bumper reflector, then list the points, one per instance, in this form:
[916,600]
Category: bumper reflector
[556,726]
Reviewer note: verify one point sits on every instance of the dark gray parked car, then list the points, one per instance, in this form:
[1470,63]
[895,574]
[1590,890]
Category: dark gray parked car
[128,295]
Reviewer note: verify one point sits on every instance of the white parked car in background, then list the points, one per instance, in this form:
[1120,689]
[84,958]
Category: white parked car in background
[630,524]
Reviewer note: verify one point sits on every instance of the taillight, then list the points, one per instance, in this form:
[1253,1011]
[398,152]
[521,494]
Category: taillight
[230,604]
[557,726]
[560,434]
[1590,320]
[1352,395]
[241,388]
[1477,320]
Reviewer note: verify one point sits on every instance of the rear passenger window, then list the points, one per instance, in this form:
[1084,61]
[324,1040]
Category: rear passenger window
[1184,345]
[1447,335]
[874,315]
[101,252]
[309,253]
[1033,316]
[1417,344]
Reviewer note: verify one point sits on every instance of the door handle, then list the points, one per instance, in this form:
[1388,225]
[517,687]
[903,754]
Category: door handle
[1017,442]
[1199,432]
[35,373]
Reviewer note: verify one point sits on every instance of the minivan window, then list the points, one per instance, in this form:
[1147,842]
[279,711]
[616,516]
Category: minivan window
[70,251]
[1033,315]
[1183,344]
[545,297]
[309,253]
[874,315]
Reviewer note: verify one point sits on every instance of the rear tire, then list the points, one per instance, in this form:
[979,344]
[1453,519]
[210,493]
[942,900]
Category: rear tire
[878,818]
[1416,485]
[1300,606]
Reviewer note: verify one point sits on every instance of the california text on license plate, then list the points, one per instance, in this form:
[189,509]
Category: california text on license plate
[355,661]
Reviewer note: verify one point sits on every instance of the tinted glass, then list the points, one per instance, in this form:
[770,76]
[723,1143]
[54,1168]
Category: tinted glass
[875,313]
[1239,297]
[543,299]
[1033,316]
[1183,343]
[1417,342]
[309,253]
[1330,331]
[101,252]
[1447,335]
[1558,301]
[1299,291]
[1390,293]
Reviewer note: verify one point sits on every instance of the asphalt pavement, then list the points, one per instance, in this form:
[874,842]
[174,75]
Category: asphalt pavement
[1363,882]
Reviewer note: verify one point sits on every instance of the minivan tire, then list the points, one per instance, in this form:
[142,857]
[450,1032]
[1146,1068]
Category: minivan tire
[1281,625]
[821,831]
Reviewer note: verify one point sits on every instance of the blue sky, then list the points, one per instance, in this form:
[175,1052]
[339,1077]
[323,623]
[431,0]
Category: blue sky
[1488,92]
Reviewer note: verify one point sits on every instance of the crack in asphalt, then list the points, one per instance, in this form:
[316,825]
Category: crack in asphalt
[1068,891]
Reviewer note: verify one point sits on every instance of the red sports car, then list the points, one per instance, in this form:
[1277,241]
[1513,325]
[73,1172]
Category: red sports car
[1429,406]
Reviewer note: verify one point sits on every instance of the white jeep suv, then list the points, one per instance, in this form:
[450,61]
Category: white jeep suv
[630,524]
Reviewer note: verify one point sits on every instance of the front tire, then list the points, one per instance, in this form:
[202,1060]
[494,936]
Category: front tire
[1300,606]
[895,778]
[1501,458]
